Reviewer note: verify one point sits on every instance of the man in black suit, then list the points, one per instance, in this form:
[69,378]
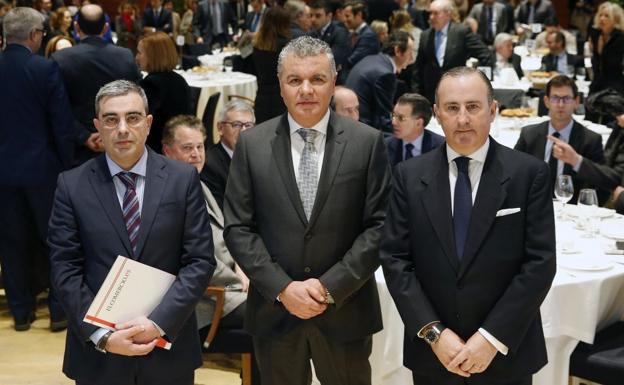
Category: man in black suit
[493,19]
[444,46]
[254,17]
[374,80]
[299,14]
[157,18]
[330,32]
[468,248]
[210,22]
[534,12]
[559,59]
[345,102]
[303,210]
[561,99]
[36,128]
[133,202]
[86,67]
[235,116]
[363,39]
[410,116]
[505,56]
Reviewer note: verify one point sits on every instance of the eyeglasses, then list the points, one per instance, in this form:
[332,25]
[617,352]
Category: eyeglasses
[561,99]
[399,117]
[239,125]
[132,120]
[43,31]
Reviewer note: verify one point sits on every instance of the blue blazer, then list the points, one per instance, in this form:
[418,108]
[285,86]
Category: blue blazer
[394,146]
[87,233]
[36,124]
[340,42]
[367,43]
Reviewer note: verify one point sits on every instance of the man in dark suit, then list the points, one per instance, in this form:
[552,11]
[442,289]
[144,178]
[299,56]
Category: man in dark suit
[299,14]
[363,39]
[157,18]
[558,59]
[330,32]
[133,202]
[505,56]
[493,19]
[36,130]
[534,12]
[444,46]
[345,102]
[86,67]
[561,100]
[374,80]
[210,22]
[468,248]
[254,17]
[304,208]
[411,115]
[235,116]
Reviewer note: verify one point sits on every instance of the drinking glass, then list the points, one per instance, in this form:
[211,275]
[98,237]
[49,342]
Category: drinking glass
[588,204]
[564,189]
[580,73]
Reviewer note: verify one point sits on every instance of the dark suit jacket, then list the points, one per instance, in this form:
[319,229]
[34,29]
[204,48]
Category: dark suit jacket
[249,19]
[587,143]
[505,272]
[202,20]
[339,40]
[608,67]
[367,43]
[515,61]
[460,46]
[548,62]
[215,172]
[269,236]
[431,141]
[163,23]
[86,67]
[87,233]
[168,95]
[374,81]
[609,175]
[543,11]
[504,23]
[36,125]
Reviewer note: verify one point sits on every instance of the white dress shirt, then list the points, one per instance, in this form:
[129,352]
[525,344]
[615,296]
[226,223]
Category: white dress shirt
[564,134]
[297,143]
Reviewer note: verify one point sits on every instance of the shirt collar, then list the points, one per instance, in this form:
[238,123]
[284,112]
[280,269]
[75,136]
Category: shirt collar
[416,142]
[322,31]
[565,132]
[321,126]
[394,67]
[140,168]
[360,28]
[478,155]
[444,30]
[229,151]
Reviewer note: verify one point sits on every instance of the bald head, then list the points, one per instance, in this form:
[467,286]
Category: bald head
[345,103]
[91,20]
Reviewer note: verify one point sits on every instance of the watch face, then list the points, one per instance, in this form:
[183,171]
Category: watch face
[431,336]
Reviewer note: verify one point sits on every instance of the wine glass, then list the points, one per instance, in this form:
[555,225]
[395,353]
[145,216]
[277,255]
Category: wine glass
[580,73]
[588,204]
[564,189]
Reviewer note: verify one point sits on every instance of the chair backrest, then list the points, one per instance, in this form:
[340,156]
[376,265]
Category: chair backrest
[195,92]
[209,114]
[602,362]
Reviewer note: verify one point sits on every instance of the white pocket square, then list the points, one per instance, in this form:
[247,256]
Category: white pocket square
[503,212]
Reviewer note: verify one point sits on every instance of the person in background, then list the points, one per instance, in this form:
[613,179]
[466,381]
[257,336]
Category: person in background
[128,26]
[299,12]
[607,43]
[157,18]
[328,30]
[363,39]
[558,59]
[345,102]
[186,24]
[60,22]
[381,29]
[505,56]
[492,19]
[253,18]
[552,25]
[175,19]
[58,43]
[168,94]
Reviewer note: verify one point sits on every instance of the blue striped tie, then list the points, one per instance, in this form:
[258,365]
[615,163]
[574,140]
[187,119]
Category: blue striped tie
[131,210]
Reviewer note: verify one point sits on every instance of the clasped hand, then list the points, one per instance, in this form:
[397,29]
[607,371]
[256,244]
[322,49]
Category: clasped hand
[134,338]
[304,299]
[464,358]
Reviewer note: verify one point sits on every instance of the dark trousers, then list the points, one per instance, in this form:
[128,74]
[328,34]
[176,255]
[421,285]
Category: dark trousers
[187,379]
[24,254]
[453,379]
[285,360]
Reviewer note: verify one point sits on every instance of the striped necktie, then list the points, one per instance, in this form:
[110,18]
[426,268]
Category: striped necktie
[308,170]
[130,208]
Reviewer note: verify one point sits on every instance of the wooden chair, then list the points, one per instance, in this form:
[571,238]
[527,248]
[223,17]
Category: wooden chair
[228,340]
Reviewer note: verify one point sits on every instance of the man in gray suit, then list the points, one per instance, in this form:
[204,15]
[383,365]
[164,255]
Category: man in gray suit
[183,140]
[304,206]
[493,19]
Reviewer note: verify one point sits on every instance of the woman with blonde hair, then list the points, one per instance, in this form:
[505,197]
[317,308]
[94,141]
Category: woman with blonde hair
[167,92]
[607,42]
[60,22]
[402,21]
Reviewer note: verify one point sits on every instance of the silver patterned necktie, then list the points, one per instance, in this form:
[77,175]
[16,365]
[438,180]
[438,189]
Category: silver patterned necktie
[308,170]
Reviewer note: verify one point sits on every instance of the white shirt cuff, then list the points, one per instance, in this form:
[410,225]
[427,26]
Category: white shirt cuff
[577,166]
[502,349]
[95,337]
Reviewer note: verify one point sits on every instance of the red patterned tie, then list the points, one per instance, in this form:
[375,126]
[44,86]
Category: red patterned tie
[131,211]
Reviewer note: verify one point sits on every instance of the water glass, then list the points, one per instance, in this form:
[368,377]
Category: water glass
[564,189]
[588,205]
[580,73]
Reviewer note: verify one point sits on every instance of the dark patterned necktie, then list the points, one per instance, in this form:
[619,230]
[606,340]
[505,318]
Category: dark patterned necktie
[130,208]
[462,205]
[408,151]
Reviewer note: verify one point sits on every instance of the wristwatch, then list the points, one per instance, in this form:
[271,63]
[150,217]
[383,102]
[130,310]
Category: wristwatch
[432,334]
[101,344]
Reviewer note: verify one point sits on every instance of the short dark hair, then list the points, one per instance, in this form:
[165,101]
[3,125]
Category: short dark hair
[335,5]
[559,37]
[324,4]
[421,108]
[91,24]
[358,7]
[467,71]
[396,39]
[551,21]
[562,81]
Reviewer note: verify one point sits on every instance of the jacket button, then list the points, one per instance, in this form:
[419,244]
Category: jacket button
[457,316]
[307,269]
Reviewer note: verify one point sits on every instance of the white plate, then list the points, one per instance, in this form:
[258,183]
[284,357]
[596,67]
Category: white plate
[583,263]
[601,212]
[570,251]
[616,233]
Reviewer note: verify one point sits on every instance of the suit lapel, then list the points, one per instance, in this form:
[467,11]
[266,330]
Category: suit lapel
[280,146]
[213,208]
[448,50]
[489,199]
[437,202]
[541,141]
[104,188]
[426,142]
[154,187]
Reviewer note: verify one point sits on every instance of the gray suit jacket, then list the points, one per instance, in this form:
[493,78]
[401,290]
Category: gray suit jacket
[274,243]
[503,24]
[225,273]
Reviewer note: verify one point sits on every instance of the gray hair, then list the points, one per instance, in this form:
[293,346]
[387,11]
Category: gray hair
[502,38]
[236,105]
[20,22]
[445,5]
[306,46]
[294,8]
[118,88]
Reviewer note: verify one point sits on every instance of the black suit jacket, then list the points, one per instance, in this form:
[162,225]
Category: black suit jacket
[504,20]
[515,61]
[587,143]
[431,141]
[460,46]
[548,62]
[367,43]
[168,95]
[86,67]
[202,20]
[36,124]
[163,23]
[543,11]
[249,19]
[215,172]
[504,275]
[339,40]
[374,81]
[87,233]
[609,175]
[269,236]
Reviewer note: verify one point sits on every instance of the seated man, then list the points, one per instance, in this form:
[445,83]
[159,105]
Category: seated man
[561,99]
[552,25]
[411,115]
[183,140]
[558,59]
[345,102]
[505,56]
[235,116]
